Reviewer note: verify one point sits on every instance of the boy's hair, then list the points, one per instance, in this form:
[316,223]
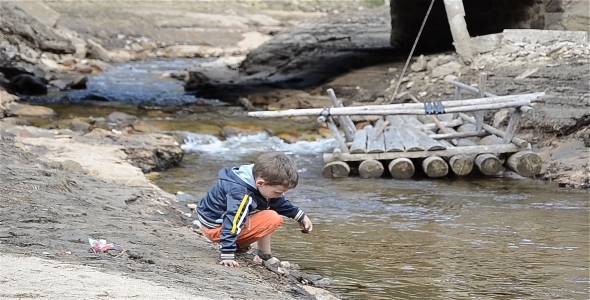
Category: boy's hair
[276,168]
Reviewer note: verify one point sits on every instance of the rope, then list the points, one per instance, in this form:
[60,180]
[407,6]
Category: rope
[399,82]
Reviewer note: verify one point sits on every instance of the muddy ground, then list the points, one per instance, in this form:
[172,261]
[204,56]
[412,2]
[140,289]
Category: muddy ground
[50,212]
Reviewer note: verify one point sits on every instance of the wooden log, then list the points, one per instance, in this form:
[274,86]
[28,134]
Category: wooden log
[359,143]
[488,164]
[517,141]
[334,129]
[371,169]
[433,126]
[393,142]
[408,140]
[401,168]
[457,94]
[424,140]
[461,164]
[468,150]
[336,169]
[408,108]
[457,135]
[374,145]
[461,38]
[435,166]
[525,163]
[482,94]
[345,121]
[513,125]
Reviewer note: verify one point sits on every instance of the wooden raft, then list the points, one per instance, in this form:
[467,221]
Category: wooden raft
[411,136]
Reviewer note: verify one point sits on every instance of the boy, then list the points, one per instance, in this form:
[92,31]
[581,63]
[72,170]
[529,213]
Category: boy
[246,205]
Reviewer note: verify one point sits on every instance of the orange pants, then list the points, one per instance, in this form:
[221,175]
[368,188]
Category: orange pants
[257,226]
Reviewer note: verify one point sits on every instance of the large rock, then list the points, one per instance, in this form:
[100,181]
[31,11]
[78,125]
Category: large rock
[27,85]
[26,110]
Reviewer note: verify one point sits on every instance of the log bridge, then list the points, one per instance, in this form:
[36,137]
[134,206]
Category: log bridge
[440,137]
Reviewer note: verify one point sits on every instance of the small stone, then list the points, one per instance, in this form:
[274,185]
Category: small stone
[420,64]
[192,206]
[409,85]
[422,94]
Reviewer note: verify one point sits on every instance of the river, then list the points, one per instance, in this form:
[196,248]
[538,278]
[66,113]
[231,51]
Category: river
[451,238]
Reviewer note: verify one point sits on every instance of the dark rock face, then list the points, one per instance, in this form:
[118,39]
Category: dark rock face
[160,158]
[27,85]
[304,56]
[22,39]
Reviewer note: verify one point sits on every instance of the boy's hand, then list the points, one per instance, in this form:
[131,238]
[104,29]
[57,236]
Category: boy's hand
[229,263]
[306,225]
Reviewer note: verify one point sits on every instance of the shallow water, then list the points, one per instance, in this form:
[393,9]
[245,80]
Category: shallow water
[474,238]
[417,239]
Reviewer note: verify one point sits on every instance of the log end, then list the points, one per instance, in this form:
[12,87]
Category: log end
[401,168]
[336,169]
[526,163]
[488,164]
[435,166]
[371,169]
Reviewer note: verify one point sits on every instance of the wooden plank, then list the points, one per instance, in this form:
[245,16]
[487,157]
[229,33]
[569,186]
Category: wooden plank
[473,150]
[425,141]
[513,125]
[412,121]
[359,143]
[432,126]
[374,145]
[408,140]
[395,121]
[393,142]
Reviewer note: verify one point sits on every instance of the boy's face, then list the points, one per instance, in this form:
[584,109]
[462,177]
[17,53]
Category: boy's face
[270,191]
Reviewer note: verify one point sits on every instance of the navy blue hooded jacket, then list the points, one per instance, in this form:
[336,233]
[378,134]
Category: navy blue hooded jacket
[229,202]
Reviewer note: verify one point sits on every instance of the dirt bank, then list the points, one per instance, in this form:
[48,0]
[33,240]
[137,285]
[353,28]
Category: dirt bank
[49,211]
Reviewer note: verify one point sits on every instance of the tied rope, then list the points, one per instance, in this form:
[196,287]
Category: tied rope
[399,82]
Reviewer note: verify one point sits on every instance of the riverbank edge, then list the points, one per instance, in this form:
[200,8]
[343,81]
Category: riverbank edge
[77,154]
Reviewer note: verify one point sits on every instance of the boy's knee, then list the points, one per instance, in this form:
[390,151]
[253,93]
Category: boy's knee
[275,218]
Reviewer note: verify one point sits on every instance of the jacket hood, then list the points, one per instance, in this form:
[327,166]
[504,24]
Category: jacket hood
[241,175]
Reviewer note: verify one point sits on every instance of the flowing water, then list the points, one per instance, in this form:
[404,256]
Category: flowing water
[468,238]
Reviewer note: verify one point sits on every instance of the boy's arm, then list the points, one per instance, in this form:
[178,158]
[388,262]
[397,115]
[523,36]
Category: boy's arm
[285,208]
[238,204]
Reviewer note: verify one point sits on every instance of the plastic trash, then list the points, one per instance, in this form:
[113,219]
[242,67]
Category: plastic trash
[102,246]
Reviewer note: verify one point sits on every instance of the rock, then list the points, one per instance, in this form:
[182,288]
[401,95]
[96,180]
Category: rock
[70,81]
[27,85]
[449,68]
[117,117]
[16,121]
[26,110]
[156,158]
[433,63]
[40,12]
[60,47]
[325,132]
[252,40]
[420,65]
[543,36]
[485,43]
[508,49]
[78,125]
[451,78]
[71,165]
[97,51]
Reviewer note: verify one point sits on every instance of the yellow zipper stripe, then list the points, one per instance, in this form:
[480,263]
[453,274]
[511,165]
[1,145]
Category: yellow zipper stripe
[234,227]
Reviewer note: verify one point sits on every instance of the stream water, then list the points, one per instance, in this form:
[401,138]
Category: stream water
[468,238]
